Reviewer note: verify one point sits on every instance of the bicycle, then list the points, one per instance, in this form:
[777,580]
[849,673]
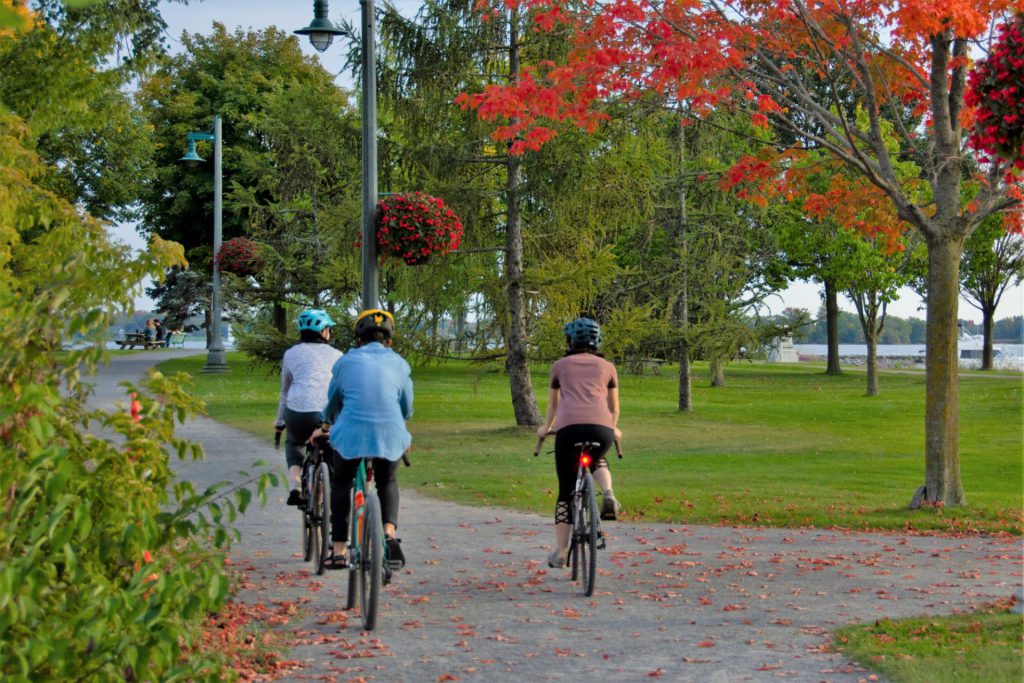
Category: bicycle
[587,537]
[369,567]
[316,512]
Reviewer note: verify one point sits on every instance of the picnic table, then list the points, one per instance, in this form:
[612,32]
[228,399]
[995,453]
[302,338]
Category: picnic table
[133,339]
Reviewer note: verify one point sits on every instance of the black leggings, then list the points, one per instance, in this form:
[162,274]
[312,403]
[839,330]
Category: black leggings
[343,471]
[567,459]
[299,427]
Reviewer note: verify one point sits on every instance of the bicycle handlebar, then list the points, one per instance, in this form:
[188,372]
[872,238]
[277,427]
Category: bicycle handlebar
[277,439]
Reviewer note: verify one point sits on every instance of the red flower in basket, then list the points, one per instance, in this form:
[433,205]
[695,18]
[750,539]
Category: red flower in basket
[239,256]
[414,226]
[996,90]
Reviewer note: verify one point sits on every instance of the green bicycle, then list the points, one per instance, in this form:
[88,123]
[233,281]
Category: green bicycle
[368,565]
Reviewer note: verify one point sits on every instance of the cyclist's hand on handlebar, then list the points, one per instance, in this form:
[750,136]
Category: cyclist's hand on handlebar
[542,432]
[618,434]
[317,434]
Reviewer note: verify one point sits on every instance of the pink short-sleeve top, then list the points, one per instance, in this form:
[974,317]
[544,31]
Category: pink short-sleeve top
[583,380]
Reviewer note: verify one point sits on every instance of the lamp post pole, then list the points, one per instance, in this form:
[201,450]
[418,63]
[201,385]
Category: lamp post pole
[369,64]
[321,32]
[215,360]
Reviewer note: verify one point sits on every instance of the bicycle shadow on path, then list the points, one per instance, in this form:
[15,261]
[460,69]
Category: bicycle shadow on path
[477,601]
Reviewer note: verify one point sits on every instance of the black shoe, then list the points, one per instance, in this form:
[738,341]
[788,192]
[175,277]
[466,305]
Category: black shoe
[295,498]
[395,558]
[333,561]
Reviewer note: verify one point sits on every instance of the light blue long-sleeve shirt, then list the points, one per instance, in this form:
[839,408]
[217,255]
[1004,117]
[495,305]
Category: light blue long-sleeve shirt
[368,401]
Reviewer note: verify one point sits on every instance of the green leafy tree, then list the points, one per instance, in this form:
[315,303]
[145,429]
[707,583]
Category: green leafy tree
[290,156]
[65,81]
[993,261]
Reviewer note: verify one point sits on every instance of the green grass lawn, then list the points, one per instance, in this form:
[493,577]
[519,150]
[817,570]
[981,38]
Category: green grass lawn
[982,647]
[780,445]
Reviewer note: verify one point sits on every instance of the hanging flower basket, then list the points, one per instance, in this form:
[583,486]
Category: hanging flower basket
[239,256]
[996,90]
[415,226]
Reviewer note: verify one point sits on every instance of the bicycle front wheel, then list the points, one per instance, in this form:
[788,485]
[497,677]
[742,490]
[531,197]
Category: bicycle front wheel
[587,538]
[322,515]
[371,547]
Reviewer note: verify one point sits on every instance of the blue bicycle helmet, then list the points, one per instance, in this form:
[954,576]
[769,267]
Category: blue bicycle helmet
[314,319]
[583,333]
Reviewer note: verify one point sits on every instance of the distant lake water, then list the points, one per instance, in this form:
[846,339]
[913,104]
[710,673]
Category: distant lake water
[889,349]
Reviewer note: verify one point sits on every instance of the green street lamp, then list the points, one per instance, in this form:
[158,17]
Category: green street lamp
[215,360]
[320,26]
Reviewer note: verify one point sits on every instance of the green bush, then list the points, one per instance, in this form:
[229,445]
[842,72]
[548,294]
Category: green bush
[107,565]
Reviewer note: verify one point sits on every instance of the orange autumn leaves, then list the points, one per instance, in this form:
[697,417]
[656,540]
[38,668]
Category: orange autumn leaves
[688,52]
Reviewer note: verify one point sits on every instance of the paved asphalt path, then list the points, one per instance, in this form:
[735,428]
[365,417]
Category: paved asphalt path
[678,602]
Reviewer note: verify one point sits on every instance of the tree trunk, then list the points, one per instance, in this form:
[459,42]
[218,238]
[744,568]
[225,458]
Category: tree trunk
[988,314]
[872,364]
[832,328]
[717,372]
[942,448]
[682,311]
[280,318]
[524,401]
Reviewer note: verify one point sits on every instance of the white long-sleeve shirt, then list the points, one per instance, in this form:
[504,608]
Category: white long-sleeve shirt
[305,376]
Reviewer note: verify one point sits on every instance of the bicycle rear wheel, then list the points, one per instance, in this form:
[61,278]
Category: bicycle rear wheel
[321,516]
[307,528]
[371,564]
[587,540]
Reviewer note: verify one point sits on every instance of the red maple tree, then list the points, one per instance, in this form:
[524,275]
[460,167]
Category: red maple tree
[867,84]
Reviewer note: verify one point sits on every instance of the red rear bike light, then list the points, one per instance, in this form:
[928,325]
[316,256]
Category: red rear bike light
[585,460]
[359,499]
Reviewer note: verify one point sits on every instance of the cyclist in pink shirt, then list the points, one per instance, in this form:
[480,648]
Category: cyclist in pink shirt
[583,401]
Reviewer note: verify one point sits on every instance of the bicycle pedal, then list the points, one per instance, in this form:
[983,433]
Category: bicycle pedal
[600,542]
[393,565]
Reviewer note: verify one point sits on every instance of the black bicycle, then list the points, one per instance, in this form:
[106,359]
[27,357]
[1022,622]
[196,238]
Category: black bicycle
[316,511]
[587,536]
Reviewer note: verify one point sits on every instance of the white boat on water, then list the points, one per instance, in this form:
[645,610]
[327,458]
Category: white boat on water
[971,349]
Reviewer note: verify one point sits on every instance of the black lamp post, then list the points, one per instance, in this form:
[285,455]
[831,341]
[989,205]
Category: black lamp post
[321,33]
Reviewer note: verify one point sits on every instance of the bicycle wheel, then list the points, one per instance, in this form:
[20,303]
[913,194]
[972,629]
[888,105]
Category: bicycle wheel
[588,539]
[371,565]
[355,550]
[574,539]
[322,515]
[307,527]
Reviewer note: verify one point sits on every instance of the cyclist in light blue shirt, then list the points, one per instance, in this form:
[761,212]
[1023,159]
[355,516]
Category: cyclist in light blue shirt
[368,401]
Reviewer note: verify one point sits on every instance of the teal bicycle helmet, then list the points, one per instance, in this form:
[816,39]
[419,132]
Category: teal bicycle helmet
[583,333]
[314,319]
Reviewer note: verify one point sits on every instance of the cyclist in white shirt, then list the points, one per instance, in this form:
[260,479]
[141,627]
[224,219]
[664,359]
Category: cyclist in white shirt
[305,376]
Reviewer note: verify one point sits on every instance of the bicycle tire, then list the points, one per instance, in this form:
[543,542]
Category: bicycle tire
[307,526]
[372,564]
[574,539]
[355,551]
[588,542]
[322,515]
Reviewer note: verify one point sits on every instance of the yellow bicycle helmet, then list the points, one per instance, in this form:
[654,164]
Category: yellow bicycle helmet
[374,320]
